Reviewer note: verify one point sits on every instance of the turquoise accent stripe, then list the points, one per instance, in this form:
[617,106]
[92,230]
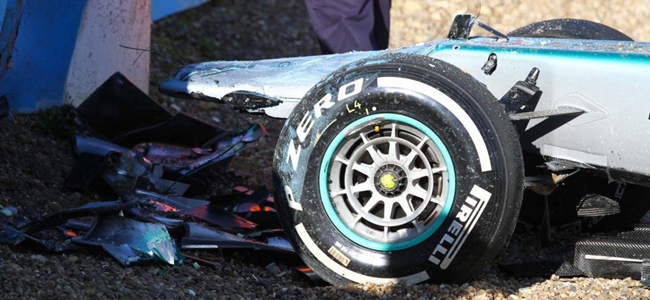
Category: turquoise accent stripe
[329,207]
[626,54]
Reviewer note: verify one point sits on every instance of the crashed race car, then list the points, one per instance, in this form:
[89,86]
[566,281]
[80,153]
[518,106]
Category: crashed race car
[410,165]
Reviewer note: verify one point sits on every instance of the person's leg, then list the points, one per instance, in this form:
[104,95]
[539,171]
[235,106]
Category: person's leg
[346,25]
[382,24]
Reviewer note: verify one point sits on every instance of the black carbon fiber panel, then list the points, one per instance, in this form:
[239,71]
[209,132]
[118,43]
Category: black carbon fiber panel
[593,205]
[642,227]
[643,235]
[611,257]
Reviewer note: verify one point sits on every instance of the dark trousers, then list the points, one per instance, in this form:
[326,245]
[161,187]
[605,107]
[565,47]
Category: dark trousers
[346,25]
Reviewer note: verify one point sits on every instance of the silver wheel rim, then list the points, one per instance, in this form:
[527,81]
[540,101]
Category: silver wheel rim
[387,182]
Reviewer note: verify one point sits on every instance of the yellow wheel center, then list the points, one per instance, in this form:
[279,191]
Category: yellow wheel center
[387,181]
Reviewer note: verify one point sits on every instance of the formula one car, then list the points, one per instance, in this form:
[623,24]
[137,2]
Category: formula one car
[407,165]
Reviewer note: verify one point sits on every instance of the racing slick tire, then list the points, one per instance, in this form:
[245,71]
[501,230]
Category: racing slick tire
[570,29]
[400,168]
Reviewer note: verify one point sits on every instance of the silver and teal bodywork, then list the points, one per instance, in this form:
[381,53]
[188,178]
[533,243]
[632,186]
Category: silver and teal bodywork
[609,81]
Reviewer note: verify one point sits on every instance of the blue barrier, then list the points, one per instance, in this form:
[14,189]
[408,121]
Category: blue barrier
[41,54]
[10,12]
[63,50]
[164,8]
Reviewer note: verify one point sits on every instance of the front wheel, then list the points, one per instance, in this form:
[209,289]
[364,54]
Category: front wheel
[401,169]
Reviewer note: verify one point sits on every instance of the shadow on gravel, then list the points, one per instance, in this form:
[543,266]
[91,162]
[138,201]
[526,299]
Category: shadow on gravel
[236,30]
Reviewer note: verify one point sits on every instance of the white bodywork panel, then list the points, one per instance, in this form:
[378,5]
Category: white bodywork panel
[606,79]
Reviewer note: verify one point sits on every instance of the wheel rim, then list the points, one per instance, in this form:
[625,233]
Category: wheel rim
[387,182]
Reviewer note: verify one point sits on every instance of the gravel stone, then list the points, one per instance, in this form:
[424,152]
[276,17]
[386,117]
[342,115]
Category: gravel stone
[34,164]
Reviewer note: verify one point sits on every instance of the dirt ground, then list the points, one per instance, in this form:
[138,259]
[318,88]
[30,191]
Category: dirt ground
[418,21]
[35,158]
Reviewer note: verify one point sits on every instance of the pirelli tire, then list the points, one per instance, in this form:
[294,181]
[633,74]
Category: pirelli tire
[401,168]
[570,29]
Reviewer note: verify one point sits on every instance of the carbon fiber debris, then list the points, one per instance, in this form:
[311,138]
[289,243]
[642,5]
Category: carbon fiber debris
[612,257]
